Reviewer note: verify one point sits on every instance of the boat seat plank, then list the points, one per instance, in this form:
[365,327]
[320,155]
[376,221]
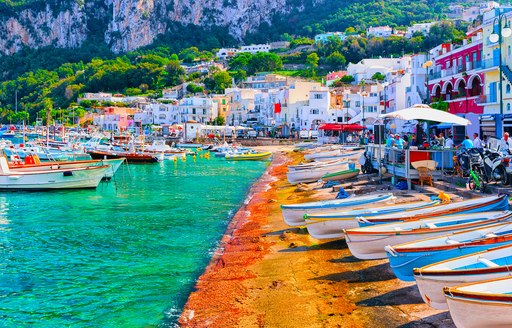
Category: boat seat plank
[452,242]
[431,225]
[487,262]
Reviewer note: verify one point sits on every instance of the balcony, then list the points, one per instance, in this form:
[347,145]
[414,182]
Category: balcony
[487,99]
[490,63]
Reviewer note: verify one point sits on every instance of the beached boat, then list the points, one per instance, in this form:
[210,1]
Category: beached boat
[481,304]
[293,214]
[482,204]
[312,165]
[489,264]
[324,153]
[314,174]
[30,165]
[333,228]
[403,258]
[351,156]
[368,242]
[341,175]
[73,178]
[249,156]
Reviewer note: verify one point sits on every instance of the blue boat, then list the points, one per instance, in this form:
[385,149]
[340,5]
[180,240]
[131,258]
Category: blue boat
[483,204]
[404,258]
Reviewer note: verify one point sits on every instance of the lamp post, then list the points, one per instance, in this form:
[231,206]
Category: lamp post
[426,65]
[502,31]
[363,94]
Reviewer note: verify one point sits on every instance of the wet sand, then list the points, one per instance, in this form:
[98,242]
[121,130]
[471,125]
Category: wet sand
[266,274]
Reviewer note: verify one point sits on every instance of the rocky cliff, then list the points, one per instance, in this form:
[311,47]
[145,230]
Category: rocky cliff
[127,24]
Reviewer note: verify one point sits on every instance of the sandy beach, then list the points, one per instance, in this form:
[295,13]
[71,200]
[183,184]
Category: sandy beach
[266,274]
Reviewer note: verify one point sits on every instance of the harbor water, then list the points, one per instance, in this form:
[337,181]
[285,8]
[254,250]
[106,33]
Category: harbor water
[124,255]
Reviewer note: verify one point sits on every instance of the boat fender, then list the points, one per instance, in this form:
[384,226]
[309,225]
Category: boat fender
[67,173]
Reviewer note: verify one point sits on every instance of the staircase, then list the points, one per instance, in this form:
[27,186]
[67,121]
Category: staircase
[507,72]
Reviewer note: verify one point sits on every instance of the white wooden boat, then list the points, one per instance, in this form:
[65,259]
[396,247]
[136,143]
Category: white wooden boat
[403,258]
[313,165]
[489,264]
[328,153]
[489,203]
[73,178]
[293,214]
[314,174]
[50,166]
[481,304]
[320,228]
[352,156]
[368,242]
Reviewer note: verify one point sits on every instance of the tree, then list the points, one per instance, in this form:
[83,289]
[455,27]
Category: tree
[175,73]
[219,120]
[378,76]
[222,81]
[312,61]
[347,79]
[335,60]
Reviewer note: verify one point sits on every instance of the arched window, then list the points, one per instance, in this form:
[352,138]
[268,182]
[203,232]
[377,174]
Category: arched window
[508,107]
[507,88]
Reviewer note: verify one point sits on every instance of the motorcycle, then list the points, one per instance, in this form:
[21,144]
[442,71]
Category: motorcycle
[494,166]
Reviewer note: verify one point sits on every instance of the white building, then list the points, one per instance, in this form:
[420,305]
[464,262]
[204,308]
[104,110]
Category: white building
[416,93]
[421,27]
[226,53]
[379,31]
[317,110]
[241,103]
[366,68]
[255,48]
[324,37]
[199,109]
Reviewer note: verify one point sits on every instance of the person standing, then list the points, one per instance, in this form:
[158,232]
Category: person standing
[449,142]
[505,144]
[477,143]
[440,139]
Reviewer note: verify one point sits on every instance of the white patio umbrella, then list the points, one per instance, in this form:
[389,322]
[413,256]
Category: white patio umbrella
[426,113]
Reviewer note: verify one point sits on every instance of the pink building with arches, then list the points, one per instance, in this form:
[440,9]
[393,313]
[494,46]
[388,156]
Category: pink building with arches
[457,75]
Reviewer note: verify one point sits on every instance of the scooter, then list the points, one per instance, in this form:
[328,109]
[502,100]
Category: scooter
[494,166]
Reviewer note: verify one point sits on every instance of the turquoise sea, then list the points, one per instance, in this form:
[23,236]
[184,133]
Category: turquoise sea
[124,255]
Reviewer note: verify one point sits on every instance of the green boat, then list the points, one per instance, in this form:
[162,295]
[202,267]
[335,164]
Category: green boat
[341,175]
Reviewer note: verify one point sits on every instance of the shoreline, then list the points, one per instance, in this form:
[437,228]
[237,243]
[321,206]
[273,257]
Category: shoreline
[267,274]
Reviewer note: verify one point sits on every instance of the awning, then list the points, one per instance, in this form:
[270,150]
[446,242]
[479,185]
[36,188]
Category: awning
[341,127]
[442,126]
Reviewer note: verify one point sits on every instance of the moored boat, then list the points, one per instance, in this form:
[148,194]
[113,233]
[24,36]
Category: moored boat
[489,264]
[49,166]
[131,157]
[403,258]
[249,156]
[368,242]
[293,214]
[72,178]
[481,304]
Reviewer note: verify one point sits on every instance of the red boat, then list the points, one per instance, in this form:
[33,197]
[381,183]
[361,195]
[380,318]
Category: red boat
[130,157]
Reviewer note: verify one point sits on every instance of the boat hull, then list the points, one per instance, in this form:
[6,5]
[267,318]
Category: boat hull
[73,179]
[312,175]
[293,214]
[342,175]
[130,157]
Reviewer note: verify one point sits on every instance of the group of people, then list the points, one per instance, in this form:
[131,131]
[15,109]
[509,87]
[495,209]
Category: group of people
[400,142]
[505,144]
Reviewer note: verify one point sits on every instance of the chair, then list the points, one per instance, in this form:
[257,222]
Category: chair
[425,169]
[425,175]
[457,169]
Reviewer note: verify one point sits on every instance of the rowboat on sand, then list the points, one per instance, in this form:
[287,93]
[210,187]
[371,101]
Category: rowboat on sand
[341,175]
[293,214]
[489,264]
[321,228]
[368,242]
[481,304]
[257,156]
[403,258]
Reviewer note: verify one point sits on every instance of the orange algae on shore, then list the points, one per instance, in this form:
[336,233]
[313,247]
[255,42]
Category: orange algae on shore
[266,274]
